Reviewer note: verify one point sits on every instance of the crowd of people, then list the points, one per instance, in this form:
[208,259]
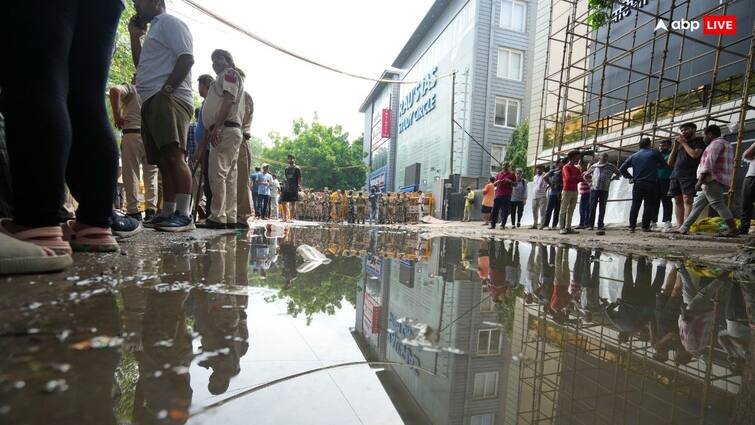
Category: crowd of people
[683,176]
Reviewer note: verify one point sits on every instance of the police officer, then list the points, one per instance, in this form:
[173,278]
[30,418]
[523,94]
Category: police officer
[126,107]
[244,161]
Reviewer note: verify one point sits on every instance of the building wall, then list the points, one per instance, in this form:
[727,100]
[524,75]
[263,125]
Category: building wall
[539,65]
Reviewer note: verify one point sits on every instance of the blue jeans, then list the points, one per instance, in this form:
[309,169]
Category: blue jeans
[264,205]
[598,198]
[584,209]
[500,206]
[554,207]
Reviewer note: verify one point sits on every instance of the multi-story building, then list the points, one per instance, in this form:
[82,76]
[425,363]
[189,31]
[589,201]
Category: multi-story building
[462,87]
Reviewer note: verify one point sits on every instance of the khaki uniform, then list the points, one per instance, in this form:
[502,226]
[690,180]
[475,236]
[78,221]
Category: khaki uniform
[133,155]
[223,163]
[244,160]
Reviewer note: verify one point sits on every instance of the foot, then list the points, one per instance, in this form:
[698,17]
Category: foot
[154,221]
[125,226]
[176,223]
[563,232]
[580,227]
[492,226]
[240,224]
[591,228]
[149,214]
[136,216]
[571,231]
[646,229]
[19,257]
[743,231]
[533,227]
[632,230]
[600,232]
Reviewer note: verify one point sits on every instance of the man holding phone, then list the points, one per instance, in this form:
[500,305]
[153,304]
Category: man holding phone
[163,80]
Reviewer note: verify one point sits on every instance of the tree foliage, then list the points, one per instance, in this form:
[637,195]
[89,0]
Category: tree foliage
[599,12]
[516,153]
[122,69]
[325,155]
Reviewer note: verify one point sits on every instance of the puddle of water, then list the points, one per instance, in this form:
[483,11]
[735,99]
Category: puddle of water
[389,329]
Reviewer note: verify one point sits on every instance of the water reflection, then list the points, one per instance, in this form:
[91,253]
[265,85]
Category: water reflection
[498,331]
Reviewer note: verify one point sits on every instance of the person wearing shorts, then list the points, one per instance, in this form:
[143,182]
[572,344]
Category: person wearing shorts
[487,201]
[290,195]
[163,81]
[684,159]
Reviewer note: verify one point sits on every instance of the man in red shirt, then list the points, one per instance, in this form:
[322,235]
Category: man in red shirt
[572,175]
[504,183]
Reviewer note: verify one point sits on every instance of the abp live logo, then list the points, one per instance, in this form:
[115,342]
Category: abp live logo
[720,25]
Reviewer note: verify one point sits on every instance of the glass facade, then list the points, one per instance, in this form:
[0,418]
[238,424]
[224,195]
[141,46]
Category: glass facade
[424,119]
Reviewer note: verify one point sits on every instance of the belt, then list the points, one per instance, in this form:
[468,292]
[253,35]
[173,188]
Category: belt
[132,130]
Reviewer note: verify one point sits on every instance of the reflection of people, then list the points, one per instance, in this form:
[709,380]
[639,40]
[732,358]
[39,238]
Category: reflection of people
[547,273]
[666,328]
[532,284]
[288,260]
[501,259]
[634,310]
[560,299]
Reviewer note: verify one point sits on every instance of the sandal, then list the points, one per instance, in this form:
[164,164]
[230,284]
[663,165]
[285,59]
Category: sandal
[89,239]
[19,257]
[46,237]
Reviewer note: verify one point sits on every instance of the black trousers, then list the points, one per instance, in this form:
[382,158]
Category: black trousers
[664,201]
[554,207]
[646,192]
[598,198]
[54,73]
[517,211]
[748,196]
[500,207]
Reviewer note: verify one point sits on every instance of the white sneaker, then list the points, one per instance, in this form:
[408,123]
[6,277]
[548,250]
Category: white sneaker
[666,225]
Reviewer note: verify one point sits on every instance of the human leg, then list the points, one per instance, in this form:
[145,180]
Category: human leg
[130,165]
[557,209]
[634,210]
[243,197]
[602,204]
[748,195]
[650,197]
[594,197]
[497,204]
[717,199]
[505,206]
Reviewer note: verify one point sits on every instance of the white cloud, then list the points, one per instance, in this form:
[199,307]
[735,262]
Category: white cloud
[358,36]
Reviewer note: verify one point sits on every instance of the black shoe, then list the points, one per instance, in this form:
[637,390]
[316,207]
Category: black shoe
[209,224]
[124,226]
[646,229]
[492,227]
[149,214]
[243,225]
[600,232]
[744,231]
[136,216]
[176,223]
[632,230]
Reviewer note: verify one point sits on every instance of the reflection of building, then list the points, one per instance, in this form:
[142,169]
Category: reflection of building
[568,374]
[408,127]
[603,89]
[469,388]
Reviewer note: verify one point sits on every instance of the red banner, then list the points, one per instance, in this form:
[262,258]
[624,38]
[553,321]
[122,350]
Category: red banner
[386,128]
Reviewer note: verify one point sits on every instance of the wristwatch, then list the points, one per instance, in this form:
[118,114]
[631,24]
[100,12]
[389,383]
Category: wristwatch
[168,88]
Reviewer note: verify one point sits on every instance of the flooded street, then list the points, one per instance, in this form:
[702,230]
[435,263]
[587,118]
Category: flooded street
[385,328]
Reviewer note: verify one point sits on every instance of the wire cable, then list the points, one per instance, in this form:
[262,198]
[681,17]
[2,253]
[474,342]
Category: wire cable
[281,49]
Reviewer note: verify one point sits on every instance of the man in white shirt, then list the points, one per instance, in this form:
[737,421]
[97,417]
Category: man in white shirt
[540,198]
[163,80]
[748,191]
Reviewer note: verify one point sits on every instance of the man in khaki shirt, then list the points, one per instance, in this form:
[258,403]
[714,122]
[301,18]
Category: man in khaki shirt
[126,107]
[244,161]
[222,115]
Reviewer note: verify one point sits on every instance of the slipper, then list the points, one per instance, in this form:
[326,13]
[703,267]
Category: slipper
[47,237]
[90,239]
[19,257]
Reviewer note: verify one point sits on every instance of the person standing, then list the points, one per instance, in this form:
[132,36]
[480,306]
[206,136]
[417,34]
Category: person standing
[202,154]
[53,76]
[361,202]
[602,173]
[644,177]
[126,108]
[163,80]
[684,158]
[275,189]
[664,183]
[244,161]
[518,199]
[223,115]
[264,182]
[540,199]
[487,201]
[504,183]
[571,174]
[374,200]
[253,179]
[748,191]
[290,195]
[584,201]
[714,176]
[468,204]
[555,183]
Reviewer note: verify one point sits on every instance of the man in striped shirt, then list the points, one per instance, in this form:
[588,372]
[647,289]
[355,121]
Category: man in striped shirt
[714,175]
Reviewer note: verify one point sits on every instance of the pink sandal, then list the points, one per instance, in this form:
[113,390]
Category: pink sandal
[47,237]
[89,239]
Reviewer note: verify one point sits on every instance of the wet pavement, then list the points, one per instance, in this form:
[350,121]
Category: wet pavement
[390,328]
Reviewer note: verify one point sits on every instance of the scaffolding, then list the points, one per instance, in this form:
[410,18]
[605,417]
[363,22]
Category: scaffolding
[584,373]
[581,109]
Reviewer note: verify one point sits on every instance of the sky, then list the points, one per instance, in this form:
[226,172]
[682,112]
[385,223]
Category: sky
[359,36]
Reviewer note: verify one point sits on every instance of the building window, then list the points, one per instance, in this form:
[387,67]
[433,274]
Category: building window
[513,15]
[488,419]
[510,64]
[489,342]
[485,385]
[486,303]
[506,112]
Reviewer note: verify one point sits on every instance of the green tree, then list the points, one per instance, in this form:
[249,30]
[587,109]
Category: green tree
[325,155]
[122,69]
[516,153]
